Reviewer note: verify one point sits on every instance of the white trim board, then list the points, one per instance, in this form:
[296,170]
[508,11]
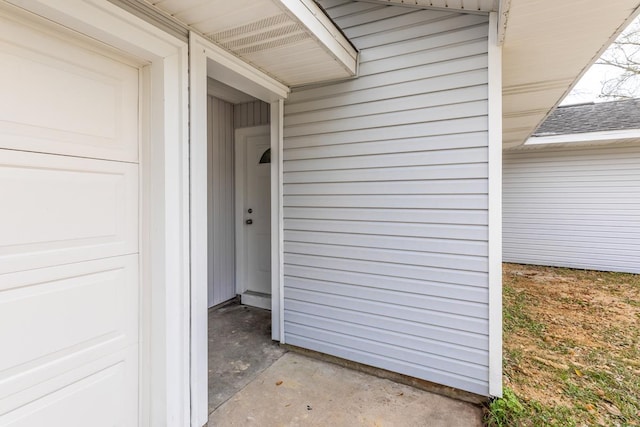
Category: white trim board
[277,220]
[503,19]
[227,93]
[320,27]
[164,337]
[495,209]
[233,71]
[198,212]
[208,60]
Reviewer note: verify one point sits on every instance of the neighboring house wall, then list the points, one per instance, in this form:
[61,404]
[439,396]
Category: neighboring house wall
[385,199]
[573,207]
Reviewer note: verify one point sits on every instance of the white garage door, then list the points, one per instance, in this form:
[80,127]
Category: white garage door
[68,230]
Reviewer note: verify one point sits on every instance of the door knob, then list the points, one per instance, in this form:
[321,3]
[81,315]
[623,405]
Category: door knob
[250,210]
[249,221]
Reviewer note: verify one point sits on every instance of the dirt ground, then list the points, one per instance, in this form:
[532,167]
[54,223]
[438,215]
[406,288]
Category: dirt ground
[572,345]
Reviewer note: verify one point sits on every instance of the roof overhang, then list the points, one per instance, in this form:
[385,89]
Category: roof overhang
[548,45]
[292,41]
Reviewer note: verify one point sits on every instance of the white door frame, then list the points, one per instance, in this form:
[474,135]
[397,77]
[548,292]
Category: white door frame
[164,228]
[240,147]
[208,60]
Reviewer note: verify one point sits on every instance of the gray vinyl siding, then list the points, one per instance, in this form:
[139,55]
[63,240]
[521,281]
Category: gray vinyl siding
[222,282]
[573,207]
[249,114]
[385,199]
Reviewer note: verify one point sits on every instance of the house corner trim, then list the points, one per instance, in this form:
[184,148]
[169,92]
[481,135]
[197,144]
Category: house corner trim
[495,208]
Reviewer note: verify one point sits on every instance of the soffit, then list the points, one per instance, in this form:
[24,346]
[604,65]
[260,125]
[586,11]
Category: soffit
[548,45]
[291,40]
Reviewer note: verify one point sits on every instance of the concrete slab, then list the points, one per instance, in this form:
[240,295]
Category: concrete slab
[240,348]
[300,391]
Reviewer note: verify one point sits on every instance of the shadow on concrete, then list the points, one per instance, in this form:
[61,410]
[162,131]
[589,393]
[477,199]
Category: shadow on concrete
[240,348]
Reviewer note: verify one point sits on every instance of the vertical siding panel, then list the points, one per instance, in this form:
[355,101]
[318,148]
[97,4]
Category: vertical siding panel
[250,118]
[215,148]
[219,212]
[228,218]
[237,116]
[210,223]
[229,202]
[244,115]
[256,112]
[573,207]
[346,162]
[221,249]
[264,112]
[250,114]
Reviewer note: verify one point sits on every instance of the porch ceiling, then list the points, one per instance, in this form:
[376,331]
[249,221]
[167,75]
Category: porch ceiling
[291,40]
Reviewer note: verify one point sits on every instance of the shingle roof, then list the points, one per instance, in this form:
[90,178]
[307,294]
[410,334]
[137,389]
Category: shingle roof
[592,117]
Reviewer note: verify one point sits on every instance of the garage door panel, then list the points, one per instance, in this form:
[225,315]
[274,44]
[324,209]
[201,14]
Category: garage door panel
[69,213]
[102,393]
[59,210]
[55,319]
[83,103]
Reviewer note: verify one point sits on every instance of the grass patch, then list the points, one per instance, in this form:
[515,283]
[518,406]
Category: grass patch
[505,411]
[511,411]
[516,314]
[571,349]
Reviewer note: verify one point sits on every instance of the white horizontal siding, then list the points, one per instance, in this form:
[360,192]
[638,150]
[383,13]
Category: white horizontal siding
[433,216]
[573,207]
[385,199]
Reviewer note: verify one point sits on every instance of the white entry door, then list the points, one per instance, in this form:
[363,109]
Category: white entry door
[254,216]
[69,278]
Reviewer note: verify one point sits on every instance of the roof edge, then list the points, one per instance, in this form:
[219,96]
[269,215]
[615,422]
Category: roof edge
[611,136]
[313,18]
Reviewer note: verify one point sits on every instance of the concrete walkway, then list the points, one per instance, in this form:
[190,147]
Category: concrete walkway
[299,391]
